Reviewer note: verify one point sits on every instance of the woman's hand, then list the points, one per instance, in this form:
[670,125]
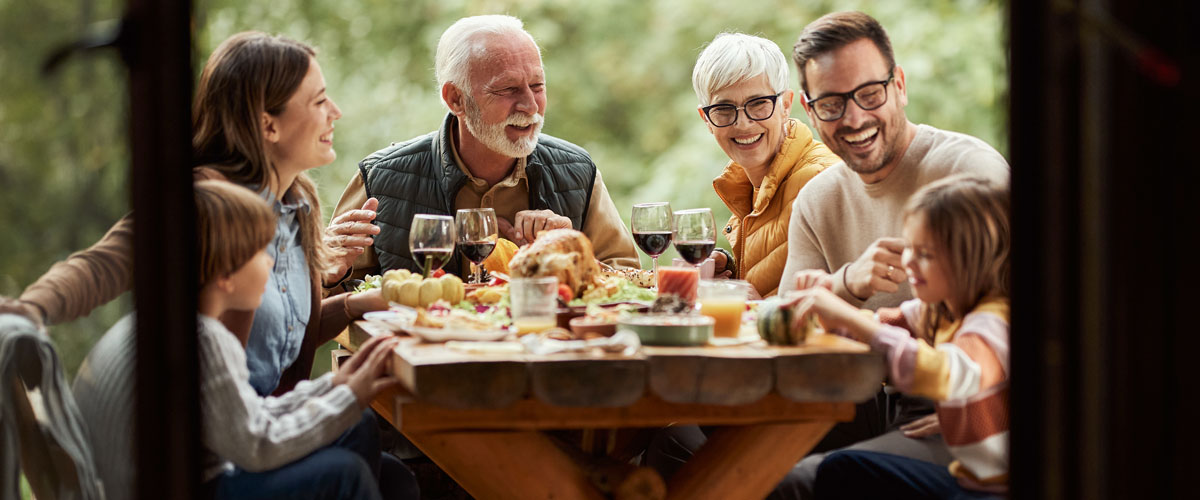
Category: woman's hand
[364,302]
[22,308]
[366,372]
[720,260]
[922,427]
[351,233]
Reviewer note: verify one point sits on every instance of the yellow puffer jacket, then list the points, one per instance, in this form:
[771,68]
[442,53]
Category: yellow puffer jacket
[757,231]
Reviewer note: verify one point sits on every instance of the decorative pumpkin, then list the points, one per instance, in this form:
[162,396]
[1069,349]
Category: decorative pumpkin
[775,323]
[403,287]
[500,257]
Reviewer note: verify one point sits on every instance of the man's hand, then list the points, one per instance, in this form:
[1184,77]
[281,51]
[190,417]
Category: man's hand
[530,223]
[366,371]
[813,278]
[922,427]
[21,308]
[351,233]
[879,269]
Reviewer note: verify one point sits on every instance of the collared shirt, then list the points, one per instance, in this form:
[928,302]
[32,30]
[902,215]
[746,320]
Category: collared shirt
[280,322]
[611,240]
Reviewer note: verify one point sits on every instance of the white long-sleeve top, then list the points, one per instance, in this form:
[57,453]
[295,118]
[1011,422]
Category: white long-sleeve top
[240,427]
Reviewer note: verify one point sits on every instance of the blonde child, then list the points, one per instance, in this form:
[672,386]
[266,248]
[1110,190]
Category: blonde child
[254,446]
[950,344]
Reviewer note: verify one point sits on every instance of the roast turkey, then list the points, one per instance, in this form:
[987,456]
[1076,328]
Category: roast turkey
[563,253]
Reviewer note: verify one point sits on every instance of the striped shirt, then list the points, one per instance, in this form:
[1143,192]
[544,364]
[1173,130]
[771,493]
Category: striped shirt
[240,428]
[966,372]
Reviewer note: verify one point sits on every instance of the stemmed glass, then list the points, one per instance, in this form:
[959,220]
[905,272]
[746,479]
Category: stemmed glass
[431,240]
[695,234]
[477,234]
[652,228]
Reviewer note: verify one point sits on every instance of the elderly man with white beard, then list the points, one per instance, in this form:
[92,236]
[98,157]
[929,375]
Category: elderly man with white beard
[488,153]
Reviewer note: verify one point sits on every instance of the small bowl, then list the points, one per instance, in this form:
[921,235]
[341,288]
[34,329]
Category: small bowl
[584,325]
[670,329]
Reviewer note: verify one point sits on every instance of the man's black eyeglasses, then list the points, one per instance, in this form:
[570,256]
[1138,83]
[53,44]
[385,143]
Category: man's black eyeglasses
[757,109]
[868,96]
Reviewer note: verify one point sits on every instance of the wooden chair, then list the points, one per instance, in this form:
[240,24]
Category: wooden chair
[41,431]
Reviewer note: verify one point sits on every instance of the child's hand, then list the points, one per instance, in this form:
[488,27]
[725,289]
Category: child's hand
[366,371]
[833,313]
[812,278]
[922,427]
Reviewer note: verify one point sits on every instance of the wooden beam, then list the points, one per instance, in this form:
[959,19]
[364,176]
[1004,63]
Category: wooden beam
[649,411]
[517,465]
[746,461]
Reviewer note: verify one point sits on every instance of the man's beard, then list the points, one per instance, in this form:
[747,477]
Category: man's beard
[493,135]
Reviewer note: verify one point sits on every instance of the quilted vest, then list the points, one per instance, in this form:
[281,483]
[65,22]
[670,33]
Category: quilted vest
[758,229]
[419,176]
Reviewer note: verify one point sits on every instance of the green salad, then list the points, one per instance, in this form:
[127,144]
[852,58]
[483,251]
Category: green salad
[369,281]
[626,292]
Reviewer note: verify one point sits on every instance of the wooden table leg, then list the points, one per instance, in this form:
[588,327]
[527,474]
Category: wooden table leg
[745,461]
[506,464]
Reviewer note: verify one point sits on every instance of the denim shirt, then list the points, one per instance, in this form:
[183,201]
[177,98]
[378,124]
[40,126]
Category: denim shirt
[281,320]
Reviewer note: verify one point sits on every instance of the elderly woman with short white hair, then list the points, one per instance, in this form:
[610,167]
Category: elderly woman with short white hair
[742,84]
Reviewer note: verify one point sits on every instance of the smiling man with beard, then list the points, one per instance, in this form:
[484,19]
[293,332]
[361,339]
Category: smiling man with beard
[488,153]
[846,223]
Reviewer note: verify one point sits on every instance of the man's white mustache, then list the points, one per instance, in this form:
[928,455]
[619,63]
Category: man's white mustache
[523,120]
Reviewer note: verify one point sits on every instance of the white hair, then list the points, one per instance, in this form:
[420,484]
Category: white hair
[732,58]
[463,40]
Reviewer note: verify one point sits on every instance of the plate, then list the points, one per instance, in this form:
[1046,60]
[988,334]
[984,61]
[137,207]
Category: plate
[394,318]
[429,334]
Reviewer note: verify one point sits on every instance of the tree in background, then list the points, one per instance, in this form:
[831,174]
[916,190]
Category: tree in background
[618,83]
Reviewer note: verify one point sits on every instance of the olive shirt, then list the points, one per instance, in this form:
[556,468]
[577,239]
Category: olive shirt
[611,240]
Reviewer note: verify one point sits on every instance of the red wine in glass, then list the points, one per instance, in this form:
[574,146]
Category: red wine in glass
[695,251]
[477,235]
[695,234]
[433,258]
[652,228]
[654,243]
[476,251]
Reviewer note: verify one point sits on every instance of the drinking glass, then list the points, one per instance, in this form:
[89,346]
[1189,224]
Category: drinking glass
[431,240]
[476,236]
[695,234]
[724,301]
[534,303]
[652,228]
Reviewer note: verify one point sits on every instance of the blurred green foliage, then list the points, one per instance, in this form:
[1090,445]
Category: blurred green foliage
[618,76]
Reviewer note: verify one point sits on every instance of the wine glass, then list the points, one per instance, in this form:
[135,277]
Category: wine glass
[695,234]
[477,234]
[652,228]
[431,240]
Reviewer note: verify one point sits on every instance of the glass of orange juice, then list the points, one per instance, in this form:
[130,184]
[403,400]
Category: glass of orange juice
[724,301]
[534,304]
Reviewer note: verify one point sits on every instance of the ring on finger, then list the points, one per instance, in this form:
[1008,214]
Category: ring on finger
[890,270]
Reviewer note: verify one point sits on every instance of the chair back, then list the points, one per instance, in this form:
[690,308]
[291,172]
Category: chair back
[41,430]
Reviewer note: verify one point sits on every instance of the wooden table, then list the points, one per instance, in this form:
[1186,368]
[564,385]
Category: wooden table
[480,417]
